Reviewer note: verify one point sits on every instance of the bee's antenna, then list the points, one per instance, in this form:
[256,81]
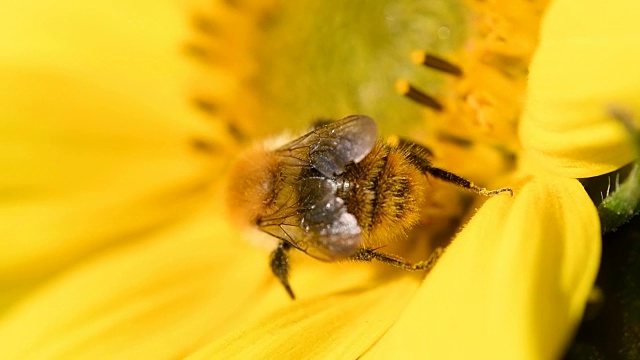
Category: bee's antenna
[280,266]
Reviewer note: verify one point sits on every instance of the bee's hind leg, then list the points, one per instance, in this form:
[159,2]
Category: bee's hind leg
[280,266]
[420,155]
[371,254]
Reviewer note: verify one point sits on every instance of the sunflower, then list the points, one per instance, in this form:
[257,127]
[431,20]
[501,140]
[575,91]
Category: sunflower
[116,152]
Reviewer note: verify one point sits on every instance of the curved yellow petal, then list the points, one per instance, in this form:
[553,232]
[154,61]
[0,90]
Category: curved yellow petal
[342,325]
[170,293]
[161,297]
[513,284]
[586,64]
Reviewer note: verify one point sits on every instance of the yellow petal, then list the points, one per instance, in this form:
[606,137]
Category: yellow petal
[587,62]
[131,48]
[170,293]
[95,132]
[513,284]
[338,326]
[84,168]
[158,298]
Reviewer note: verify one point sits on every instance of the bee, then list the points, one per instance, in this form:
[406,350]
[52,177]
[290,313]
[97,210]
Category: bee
[336,192]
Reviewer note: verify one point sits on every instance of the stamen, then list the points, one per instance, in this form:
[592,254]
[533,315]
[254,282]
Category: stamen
[454,139]
[212,109]
[236,132]
[199,52]
[434,62]
[404,88]
[232,3]
[204,146]
[205,25]
[512,67]
[207,106]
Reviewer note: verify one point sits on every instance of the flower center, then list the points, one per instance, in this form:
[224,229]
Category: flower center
[289,64]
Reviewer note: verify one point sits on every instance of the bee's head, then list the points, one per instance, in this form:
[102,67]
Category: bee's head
[252,186]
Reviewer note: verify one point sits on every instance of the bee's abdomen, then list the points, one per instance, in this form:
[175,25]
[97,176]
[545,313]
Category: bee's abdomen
[387,193]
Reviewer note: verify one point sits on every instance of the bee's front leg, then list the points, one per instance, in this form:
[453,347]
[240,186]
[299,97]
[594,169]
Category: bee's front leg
[280,265]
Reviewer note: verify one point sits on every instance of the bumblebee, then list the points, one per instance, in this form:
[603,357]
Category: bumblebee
[337,193]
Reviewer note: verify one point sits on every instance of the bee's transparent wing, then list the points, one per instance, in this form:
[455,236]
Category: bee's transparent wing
[331,147]
[321,226]
[331,229]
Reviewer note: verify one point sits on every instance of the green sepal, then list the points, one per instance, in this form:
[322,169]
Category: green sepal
[624,202]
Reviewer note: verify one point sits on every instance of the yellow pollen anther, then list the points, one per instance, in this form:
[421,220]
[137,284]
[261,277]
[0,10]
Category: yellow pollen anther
[435,62]
[482,105]
[405,89]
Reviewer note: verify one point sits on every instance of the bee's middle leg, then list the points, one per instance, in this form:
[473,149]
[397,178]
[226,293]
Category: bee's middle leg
[280,266]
